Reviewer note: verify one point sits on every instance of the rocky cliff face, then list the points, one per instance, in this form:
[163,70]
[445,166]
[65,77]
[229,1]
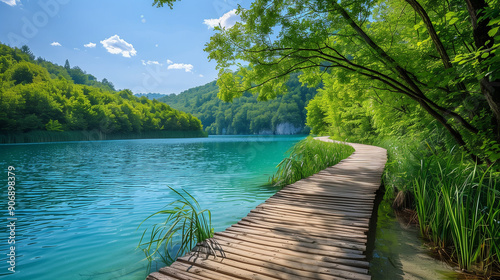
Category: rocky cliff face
[287,129]
[266,132]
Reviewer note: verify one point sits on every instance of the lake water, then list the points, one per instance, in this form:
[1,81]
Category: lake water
[78,204]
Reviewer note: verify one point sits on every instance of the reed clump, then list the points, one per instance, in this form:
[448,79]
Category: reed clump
[307,157]
[456,200]
[185,225]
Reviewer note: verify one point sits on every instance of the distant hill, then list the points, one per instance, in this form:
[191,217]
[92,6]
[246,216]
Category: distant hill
[37,95]
[150,96]
[245,115]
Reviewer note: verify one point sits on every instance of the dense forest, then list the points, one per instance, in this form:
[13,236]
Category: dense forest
[37,95]
[285,114]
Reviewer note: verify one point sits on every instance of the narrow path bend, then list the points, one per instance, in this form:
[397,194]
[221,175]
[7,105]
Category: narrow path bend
[315,228]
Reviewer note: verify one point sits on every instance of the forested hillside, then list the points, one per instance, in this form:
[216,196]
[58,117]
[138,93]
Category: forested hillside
[246,115]
[39,95]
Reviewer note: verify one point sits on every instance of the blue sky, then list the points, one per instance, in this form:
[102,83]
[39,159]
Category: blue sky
[131,43]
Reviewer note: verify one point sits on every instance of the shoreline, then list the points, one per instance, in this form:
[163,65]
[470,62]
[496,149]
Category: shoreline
[92,135]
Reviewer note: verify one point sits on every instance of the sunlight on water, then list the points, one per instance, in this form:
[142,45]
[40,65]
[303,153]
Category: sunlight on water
[78,204]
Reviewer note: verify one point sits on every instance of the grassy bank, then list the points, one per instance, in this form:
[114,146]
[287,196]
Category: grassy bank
[308,157]
[56,136]
[456,200]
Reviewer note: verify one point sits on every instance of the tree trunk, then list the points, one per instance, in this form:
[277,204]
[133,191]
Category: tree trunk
[480,29]
[437,42]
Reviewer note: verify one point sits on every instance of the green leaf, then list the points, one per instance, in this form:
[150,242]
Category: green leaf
[485,55]
[494,21]
[493,31]
[450,15]
[453,20]
[418,25]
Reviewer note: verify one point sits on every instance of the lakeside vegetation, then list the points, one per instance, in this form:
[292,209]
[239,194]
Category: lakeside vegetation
[185,225]
[421,78]
[308,157]
[455,200]
[37,95]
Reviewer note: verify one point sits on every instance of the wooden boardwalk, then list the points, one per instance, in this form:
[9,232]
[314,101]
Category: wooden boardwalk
[315,228]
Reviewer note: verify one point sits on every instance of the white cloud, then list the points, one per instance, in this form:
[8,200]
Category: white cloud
[201,76]
[156,45]
[227,20]
[55,44]
[10,2]
[116,45]
[150,62]
[76,49]
[143,20]
[90,45]
[169,61]
[186,67]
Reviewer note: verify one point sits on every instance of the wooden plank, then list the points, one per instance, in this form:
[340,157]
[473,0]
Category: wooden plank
[237,269]
[331,230]
[180,273]
[160,276]
[193,269]
[299,237]
[293,266]
[303,231]
[306,222]
[346,215]
[322,200]
[326,193]
[332,219]
[323,255]
[318,250]
[341,244]
[321,206]
[313,261]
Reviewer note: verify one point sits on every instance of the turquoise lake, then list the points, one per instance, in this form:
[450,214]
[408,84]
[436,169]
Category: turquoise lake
[78,204]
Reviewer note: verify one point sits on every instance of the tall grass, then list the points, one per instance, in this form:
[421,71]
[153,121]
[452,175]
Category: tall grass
[458,204]
[308,157]
[185,225]
[456,200]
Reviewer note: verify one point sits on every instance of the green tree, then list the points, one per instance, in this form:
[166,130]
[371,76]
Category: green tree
[66,65]
[108,84]
[25,49]
[53,125]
